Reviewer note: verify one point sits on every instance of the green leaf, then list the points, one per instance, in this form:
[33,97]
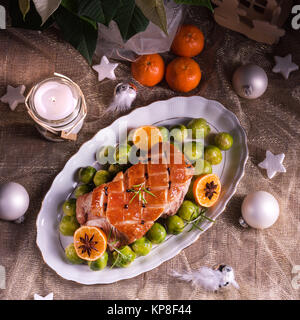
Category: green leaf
[24,6]
[204,3]
[45,8]
[154,10]
[81,33]
[110,8]
[91,9]
[130,19]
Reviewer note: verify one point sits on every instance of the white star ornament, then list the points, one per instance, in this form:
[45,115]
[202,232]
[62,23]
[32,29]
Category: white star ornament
[14,96]
[273,164]
[48,297]
[285,66]
[105,69]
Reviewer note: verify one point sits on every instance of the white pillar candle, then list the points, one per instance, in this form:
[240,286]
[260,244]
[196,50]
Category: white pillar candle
[54,100]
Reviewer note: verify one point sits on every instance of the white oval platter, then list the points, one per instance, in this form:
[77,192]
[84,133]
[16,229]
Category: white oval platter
[168,112]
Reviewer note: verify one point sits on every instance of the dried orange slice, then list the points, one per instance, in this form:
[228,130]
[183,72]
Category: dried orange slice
[146,136]
[207,189]
[90,243]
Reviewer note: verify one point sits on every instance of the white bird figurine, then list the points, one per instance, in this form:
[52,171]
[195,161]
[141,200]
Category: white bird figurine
[124,95]
[208,278]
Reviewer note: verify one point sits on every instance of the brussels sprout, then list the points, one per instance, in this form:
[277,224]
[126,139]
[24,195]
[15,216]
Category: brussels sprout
[123,258]
[179,133]
[201,125]
[193,150]
[175,224]
[188,210]
[86,174]
[106,155]
[142,246]
[213,154]
[72,256]
[68,225]
[101,176]
[202,167]
[69,207]
[223,140]
[165,133]
[113,169]
[157,233]
[82,189]
[100,263]
[122,153]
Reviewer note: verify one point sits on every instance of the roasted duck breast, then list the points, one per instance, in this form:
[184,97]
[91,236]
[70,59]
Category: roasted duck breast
[127,207]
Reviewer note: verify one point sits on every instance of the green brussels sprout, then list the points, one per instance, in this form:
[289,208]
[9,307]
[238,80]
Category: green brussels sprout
[122,153]
[188,210]
[123,258]
[69,207]
[86,174]
[101,176]
[82,189]
[201,125]
[106,155]
[100,263]
[165,133]
[213,154]
[193,150]
[223,140]
[72,256]
[157,233]
[175,224]
[142,246]
[202,167]
[68,225]
[113,169]
[179,133]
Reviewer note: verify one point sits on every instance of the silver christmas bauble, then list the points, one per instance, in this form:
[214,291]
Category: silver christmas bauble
[260,210]
[14,201]
[250,81]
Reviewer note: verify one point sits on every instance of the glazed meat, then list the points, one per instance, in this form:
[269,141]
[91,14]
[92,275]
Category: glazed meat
[125,215]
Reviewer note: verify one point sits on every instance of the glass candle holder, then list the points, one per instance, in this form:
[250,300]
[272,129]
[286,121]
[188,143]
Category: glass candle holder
[58,108]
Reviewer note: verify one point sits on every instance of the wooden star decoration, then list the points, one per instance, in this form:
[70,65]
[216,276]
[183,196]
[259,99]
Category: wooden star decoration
[14,96]
[273,164]
[105,69]
[285,66]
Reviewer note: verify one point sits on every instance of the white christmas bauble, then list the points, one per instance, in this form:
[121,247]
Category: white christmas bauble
[250,81]
[260,210]
[14,201]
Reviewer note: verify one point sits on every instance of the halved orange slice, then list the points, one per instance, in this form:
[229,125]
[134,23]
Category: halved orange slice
[146,136]
[90,243]
[207,189]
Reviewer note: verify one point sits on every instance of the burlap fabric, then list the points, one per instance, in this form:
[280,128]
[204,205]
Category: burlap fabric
[263,260]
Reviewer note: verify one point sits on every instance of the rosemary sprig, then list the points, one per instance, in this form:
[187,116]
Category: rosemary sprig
[138,192]
[195,222]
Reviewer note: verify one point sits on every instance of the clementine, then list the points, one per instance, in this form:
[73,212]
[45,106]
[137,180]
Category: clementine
[207,189]
[183,74]
[148,69]
[188,42]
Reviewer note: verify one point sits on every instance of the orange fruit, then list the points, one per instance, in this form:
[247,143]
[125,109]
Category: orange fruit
[183,74]
[207,189]
[148,69]
[90,243]
[145,137]
[188,41]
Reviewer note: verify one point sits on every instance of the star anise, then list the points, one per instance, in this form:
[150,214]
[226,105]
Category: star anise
[210,189]
[88,244]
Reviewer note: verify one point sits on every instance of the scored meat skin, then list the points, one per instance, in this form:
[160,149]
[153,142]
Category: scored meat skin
[123,218]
